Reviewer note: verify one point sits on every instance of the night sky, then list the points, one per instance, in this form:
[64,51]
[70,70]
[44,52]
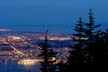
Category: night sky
[51,12]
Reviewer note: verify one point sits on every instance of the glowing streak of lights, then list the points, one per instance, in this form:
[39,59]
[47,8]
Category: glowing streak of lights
[16,50]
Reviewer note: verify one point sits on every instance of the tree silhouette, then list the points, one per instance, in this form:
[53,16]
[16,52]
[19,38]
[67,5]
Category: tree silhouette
[48,56]
[101,56]
[102,51]
[93,35]
[76,58]
[87,54]
[90,28]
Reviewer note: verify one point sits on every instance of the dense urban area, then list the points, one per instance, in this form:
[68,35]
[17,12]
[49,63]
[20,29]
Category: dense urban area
[17,46]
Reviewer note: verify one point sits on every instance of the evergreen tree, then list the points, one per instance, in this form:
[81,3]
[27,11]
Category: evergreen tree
[102,51]
[101,56]
[76,58]
[105,37]
[86,53]
[93,34]
[90,28]
[48,56]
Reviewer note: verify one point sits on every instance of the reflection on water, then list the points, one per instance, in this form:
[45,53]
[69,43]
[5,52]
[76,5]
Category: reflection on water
[15,67]
[28,62]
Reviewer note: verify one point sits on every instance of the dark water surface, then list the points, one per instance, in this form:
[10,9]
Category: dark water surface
[15,67]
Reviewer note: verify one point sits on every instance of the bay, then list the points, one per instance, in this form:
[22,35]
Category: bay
[15,67]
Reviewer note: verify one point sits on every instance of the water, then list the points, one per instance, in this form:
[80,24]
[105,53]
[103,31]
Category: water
[15,67]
